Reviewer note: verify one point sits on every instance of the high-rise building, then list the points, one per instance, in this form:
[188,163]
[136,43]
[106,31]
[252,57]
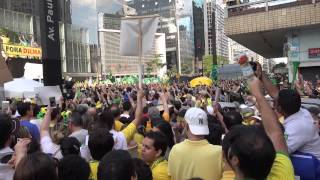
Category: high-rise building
[200,23]
[109,21]
[216,39]
[78,34]
[24,6]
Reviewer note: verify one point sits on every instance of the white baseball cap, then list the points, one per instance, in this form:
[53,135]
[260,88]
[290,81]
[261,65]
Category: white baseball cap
[197,121]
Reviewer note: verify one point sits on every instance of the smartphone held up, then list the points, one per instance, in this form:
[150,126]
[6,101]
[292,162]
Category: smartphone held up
[52,101]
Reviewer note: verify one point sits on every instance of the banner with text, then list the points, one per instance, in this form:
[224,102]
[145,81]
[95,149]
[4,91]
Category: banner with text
[21,51]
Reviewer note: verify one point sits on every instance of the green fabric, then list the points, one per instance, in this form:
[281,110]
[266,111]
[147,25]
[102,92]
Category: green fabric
[214,72]
[116,101]
[283,153]
[295,70]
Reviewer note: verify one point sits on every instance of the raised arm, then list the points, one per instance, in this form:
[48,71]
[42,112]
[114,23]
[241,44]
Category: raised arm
[269,118]
[44,128]
[138,113]
[130,130]
[273,91]
[164,100]
[220,119]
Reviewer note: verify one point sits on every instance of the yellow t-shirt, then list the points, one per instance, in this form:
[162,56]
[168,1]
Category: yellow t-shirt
[160,170]
[200,159]
[117,125]
[129,131]
[282,169]
[138,138]
[94,170]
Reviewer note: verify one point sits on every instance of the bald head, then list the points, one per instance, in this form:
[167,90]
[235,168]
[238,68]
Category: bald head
[92,111]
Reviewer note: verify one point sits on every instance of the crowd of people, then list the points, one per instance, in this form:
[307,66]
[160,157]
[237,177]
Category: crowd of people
[160,132]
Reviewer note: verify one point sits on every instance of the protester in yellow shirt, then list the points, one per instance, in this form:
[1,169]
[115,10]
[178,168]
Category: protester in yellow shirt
[195,157]
[116,112]
[131,129]
[255,153]
[154,147]
[118,125]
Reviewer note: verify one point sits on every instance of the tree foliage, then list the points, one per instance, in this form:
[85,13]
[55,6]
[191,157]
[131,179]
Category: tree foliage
[155,64]
[210,60]
[172,72]
[207,64]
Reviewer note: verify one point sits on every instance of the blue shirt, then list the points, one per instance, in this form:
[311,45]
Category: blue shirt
[33,129]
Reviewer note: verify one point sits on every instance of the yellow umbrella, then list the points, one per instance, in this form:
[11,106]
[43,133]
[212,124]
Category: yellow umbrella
[201,81]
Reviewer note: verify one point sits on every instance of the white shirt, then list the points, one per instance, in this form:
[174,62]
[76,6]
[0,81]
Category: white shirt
[36,122]
[80,135]
[49,147]
[302,134]
[6,172]
[120,141]
[125,115]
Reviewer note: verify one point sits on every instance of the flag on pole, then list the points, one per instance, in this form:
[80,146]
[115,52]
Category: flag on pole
[130,34]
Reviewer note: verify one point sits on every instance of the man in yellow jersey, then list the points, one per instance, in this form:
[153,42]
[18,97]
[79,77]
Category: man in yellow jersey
[195,157]
[154,147]
[256,153]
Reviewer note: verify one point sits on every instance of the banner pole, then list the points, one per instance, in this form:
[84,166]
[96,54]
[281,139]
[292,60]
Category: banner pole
[140,54]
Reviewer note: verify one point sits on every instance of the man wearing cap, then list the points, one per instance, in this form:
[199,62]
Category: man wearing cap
[7,128]
[195,157]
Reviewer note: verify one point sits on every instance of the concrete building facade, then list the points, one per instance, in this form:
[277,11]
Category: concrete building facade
[217,41]
[279,29]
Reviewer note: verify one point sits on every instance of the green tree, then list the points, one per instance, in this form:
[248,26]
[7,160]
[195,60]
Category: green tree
[279,66]
[207,64]
[111,77]
[172,72]
[210,60]
[187,66]
[155,64]
[222,60]
[149,68]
